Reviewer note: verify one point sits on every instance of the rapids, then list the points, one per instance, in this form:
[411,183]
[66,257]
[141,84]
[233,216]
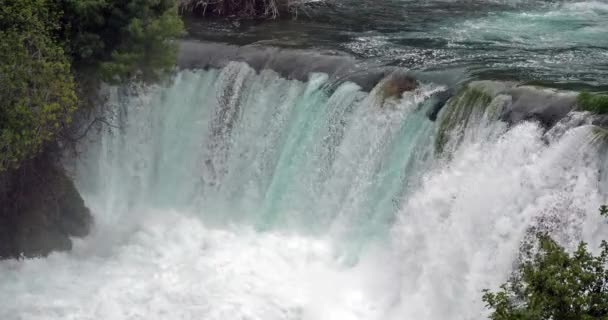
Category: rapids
[238,192]
[235,194]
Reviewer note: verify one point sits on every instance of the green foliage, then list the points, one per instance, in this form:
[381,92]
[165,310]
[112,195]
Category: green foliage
[44,42]
[555,284]
[593,102]
[126,39]
[148,51]
[37,94]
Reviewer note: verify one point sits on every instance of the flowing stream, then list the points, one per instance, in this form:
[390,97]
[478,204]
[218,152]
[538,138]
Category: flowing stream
[231,193]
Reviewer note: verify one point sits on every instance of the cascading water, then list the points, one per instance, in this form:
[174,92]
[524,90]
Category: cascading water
[259,150]
[235,194]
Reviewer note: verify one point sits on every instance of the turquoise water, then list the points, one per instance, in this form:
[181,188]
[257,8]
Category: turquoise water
[257,146]
[228,193]
[234,193]
[559,43]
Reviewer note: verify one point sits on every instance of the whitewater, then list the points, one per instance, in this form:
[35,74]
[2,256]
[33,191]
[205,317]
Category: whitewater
[233,191]
[235,194]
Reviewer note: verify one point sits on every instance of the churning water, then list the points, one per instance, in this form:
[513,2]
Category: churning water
[230,193]
[556,42]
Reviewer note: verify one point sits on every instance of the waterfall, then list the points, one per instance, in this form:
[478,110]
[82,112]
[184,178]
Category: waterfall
[234,193]
[235,146]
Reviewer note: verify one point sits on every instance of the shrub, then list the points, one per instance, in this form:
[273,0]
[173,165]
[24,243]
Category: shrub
[126,39]
[43,43]
[555,284]
[37,95]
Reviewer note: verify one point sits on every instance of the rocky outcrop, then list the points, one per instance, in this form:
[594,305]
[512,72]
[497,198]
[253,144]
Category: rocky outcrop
[521,102]
[501,100]
[40,209]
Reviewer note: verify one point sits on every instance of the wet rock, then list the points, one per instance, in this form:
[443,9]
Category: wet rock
[526,103]
[396,84]
[600,120]
[546,106]
[40,209]
[439,100]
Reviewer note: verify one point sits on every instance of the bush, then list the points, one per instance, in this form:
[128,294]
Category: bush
[593,102]
[555,284]
[37,95]
[126,39]
[43,43]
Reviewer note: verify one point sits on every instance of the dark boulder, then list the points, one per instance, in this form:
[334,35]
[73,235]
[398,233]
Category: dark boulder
[438,101]
[546,106]
[40,209]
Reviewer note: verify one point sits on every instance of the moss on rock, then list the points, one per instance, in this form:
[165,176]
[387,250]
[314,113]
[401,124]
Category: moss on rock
[458,111]
[597,103]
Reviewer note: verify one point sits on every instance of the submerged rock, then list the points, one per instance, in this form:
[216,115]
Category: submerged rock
[40,209]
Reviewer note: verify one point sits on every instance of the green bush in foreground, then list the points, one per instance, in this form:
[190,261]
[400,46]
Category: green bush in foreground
[593,102]
[555,284]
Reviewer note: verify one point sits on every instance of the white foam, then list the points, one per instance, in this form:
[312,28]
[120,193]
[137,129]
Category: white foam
[461,231]
[173,267]
[154,255]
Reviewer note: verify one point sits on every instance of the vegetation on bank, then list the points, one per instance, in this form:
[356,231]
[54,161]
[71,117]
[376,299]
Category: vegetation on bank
[37,91]
[48,46]
[267,8]
[241,8]
[597,103]
[555,284]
